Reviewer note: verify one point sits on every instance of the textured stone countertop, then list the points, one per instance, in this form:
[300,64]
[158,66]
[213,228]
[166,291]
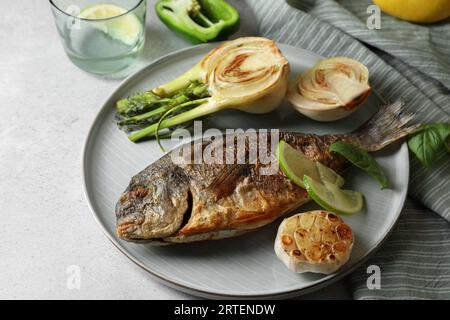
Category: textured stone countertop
[47,106]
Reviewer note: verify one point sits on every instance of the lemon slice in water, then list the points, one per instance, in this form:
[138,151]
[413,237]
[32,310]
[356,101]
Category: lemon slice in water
[126,28]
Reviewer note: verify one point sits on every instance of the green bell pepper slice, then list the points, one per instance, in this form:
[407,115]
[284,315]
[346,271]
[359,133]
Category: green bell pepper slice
[199,20]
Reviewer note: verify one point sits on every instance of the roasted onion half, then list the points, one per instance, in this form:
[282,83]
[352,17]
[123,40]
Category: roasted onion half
[331,90]
[249,74]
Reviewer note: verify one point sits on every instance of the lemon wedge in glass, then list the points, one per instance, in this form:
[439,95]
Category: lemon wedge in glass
[125,27]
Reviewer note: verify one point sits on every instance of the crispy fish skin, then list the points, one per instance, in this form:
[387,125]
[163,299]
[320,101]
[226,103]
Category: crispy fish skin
[154,203]
[176,203]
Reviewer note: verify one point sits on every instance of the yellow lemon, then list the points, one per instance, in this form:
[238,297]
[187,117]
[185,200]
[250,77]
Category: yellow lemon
[422,11]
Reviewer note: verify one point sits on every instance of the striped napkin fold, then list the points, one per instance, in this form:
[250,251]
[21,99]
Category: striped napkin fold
[405,60]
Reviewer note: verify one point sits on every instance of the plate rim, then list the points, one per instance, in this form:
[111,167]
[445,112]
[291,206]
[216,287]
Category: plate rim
[328,280]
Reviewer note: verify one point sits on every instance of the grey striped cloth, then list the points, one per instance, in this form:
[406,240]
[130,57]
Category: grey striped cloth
[405,60]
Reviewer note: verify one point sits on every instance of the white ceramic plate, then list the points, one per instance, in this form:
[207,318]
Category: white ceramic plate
[246,266]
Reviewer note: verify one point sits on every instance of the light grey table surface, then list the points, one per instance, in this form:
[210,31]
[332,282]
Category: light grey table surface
[47,106]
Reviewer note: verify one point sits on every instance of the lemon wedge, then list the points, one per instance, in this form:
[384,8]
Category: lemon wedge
[126,28]
[422,11]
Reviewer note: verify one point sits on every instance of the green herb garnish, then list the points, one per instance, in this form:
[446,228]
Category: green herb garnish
[428,141]
[362,159]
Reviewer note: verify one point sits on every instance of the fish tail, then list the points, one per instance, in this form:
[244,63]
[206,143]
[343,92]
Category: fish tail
[389,124]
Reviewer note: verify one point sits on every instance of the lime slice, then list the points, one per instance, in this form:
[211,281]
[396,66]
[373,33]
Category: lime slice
[332,198]
[327,174]
[295,165]
[125,29]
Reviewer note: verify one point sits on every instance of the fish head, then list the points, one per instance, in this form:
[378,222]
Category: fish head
[154,204]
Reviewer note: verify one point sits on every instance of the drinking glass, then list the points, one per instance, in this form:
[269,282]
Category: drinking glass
[101,37]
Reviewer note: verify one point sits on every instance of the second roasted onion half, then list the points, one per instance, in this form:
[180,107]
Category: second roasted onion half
[331,90]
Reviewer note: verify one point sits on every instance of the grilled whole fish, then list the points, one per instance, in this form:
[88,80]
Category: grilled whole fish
[171,202]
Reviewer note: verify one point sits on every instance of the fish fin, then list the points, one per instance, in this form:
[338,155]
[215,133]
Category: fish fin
[225,182]
[389,124]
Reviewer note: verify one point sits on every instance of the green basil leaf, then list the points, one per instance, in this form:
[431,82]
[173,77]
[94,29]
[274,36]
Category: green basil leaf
[428,141]
[362,160]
